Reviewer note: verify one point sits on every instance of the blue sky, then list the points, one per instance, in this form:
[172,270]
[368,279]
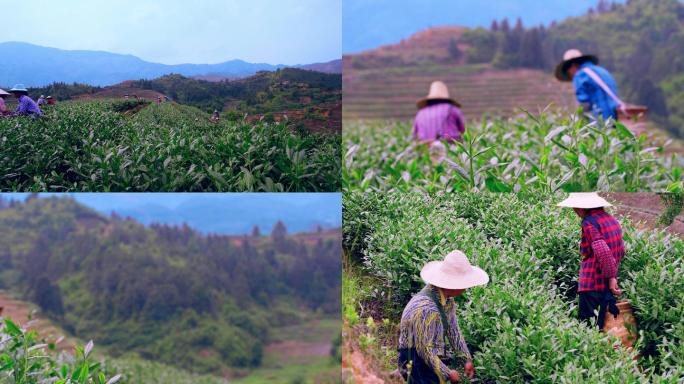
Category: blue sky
[225,213]
[370,23]
[180,31]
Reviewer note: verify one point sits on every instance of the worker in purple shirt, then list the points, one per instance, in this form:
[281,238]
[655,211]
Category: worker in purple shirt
[26,107]
[439,116]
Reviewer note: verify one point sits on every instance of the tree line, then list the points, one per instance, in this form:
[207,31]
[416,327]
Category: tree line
[165,292]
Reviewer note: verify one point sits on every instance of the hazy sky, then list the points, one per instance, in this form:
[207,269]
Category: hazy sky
[371,23]
[228,213]
[181,31]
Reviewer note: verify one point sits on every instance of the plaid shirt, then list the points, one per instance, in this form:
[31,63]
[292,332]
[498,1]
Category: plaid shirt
[601,248]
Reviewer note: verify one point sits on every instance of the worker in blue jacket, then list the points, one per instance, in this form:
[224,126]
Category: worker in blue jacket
[595,88]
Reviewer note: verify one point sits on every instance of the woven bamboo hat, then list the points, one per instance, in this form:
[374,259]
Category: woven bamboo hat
[438,91]
[585,200]
[19,88]
[569,57]
[454,272]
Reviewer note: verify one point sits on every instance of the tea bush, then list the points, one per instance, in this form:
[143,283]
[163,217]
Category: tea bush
[87,146]
[542,153]
[26,360]
[522,326]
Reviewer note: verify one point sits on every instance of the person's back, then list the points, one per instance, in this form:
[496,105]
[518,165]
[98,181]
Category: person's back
[588,91]
[440,121]
[3,106]
[28,107]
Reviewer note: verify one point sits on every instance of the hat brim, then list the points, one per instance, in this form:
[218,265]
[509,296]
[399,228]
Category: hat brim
[422,103]
[19,91]
[433,275]
[574,203]
[561,71]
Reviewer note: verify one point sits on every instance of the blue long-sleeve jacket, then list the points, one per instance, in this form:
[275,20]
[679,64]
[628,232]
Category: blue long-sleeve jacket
[588,92]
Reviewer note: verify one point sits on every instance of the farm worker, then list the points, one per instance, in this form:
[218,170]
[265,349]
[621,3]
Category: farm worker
[3,106]
[429,328]
[595,88]
[215,118]
[41,101]
[26,107]
[438,117]
[159,99]
[601,248]
[50,100]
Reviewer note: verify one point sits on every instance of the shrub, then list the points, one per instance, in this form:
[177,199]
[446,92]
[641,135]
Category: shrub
[523,327]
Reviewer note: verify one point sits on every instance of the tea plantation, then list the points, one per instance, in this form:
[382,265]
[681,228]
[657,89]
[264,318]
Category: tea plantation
[542,153]
[522,327]
[120,146]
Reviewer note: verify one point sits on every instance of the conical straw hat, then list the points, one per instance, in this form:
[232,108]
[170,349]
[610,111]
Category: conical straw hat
[3,92]
[571,56]
[584,200]
[454,272]
[438,91]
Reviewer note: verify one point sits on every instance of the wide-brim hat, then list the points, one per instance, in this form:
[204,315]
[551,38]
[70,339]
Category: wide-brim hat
[438,91]
[3,92]
[19,88]
[569,57]
[584,200]
[454,272]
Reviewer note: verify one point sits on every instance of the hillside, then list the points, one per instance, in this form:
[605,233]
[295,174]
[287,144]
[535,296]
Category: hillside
[130,145]
[312,101]
[391,93]
[168,294]
[37,66]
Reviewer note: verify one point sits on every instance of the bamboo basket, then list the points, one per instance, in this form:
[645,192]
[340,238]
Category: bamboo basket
[624,325]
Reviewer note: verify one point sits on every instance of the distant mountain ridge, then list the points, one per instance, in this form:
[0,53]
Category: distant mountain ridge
[34,66]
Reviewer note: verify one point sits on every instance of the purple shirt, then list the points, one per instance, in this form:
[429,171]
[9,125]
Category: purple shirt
[3,107]
[441,121]
[27,106]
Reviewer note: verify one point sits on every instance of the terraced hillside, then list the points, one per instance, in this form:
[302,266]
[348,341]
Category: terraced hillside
[391,93]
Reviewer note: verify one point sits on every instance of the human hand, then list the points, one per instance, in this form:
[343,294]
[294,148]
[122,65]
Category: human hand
[454,377]
[612,285]
[469,369]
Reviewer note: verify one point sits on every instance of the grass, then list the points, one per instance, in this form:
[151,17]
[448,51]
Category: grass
[88,146]
[541,153]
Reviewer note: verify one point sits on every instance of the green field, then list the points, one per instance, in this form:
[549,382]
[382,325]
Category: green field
[522,326]
[544,152]
[116,146]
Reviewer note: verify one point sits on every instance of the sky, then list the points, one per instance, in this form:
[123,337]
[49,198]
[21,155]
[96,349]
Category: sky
[368,24]
[223,213]
[179,31]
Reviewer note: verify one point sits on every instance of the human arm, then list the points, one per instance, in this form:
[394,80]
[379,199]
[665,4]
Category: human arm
[584,90]
[458,341]
[427,347]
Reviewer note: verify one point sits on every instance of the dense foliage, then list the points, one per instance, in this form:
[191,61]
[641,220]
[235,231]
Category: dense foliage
[86,146]
[62,91]
[199,302]
[24,359]
[534,153]
[640,42]
[522,326]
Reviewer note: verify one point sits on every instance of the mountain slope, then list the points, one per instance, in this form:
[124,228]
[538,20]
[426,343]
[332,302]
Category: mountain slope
[34,65]
[203,303]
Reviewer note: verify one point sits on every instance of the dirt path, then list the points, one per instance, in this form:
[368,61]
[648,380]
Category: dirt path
[25,314]
[643,209]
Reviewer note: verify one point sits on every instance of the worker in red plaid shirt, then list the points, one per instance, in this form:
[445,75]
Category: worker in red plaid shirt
[602,249]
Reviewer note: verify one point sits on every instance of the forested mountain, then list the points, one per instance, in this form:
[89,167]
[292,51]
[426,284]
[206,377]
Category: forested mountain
[38,66]
[204,303]
[264,92]
[640,42]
